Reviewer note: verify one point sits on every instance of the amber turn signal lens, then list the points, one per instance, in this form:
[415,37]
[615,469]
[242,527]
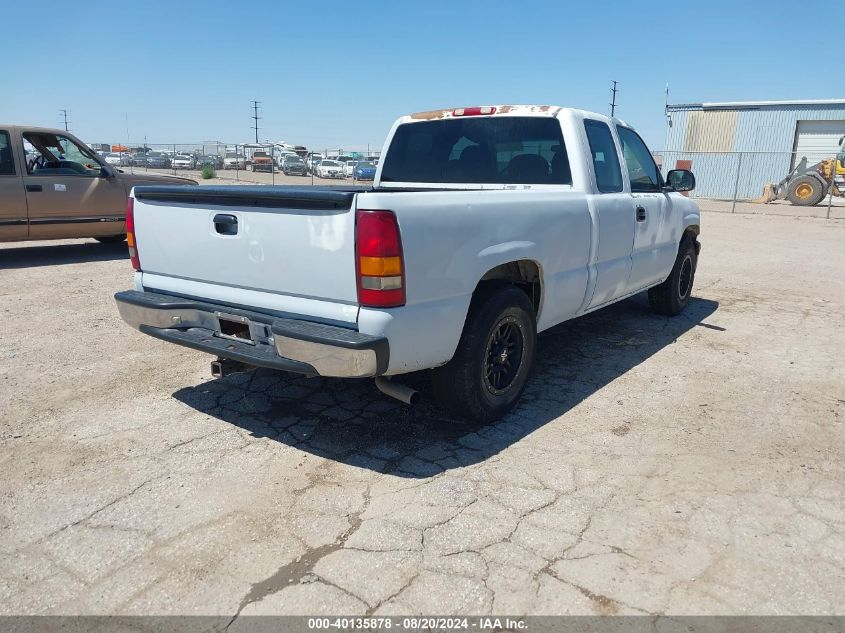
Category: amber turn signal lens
[381,266]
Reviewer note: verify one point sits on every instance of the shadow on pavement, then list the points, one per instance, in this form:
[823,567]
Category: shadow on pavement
[350,421]
[57,254]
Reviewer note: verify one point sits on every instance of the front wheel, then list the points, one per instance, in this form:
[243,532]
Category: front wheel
[487,375]
[673,295]
[805,191]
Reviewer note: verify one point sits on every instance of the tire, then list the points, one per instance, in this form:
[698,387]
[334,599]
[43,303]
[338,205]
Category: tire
[805,191]
[111,239]
[476,384]
[673,295]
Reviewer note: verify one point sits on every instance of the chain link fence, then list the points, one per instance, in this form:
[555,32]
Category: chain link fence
[764,182]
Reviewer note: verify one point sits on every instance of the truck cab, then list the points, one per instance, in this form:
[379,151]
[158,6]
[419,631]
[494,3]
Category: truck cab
[53,186]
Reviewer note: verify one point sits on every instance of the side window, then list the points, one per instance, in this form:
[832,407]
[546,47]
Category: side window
[605,160]
[50,154]
[642,170]
[7,163]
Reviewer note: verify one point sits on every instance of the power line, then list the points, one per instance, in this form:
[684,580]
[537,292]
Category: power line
[64,114]
[255,118]
[613,92]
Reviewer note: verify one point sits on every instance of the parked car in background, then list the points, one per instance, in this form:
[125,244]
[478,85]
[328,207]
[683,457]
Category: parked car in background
[117,159]
[151,160]
[293,165]
[211,159]
[364,170]
[183,161]
[234,160]
[279,157]
[261,161]
[311,162]
[329,169]
[349,168]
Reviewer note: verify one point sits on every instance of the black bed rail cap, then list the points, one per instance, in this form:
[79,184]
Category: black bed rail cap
[279,196]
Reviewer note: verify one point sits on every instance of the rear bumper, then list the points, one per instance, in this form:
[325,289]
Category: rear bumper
[293,345]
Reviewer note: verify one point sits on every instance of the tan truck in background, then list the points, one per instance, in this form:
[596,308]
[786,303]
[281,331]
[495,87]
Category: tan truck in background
[53,186]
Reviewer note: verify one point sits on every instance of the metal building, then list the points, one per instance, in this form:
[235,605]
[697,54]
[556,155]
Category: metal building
[736,148]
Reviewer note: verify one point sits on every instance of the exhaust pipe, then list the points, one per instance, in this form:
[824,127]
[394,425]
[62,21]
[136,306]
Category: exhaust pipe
[223,367]
[402,393]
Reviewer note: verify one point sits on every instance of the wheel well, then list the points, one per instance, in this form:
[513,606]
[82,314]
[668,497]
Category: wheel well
[524,274]
[691,233]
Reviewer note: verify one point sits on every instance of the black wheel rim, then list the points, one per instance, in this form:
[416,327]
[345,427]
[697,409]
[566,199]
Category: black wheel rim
[503,359]
[685,279]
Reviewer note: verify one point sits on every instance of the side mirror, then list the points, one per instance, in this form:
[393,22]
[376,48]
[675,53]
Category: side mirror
[106,172]
[680,180]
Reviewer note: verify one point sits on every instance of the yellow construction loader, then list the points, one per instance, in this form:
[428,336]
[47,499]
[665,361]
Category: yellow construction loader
[807,186]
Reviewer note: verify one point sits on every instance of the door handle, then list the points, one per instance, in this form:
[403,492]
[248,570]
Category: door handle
[640,214]
[34,188]
[226,224]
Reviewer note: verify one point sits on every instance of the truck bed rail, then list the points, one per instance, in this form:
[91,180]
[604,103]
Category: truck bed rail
[281,197]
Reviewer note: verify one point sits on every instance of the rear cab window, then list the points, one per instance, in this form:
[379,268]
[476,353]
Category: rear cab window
[605,159]
[479,150]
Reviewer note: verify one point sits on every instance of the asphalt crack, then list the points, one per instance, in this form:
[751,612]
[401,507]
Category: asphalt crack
[295,571]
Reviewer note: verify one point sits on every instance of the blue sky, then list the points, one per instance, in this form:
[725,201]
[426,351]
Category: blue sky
[337,74]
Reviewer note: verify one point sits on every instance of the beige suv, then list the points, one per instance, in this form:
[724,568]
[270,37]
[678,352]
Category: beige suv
[52,186]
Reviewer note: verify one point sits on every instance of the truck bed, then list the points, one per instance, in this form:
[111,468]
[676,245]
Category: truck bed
[289,250]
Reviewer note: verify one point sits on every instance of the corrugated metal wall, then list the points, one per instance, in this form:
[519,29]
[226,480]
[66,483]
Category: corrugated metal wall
[710,131]
[767,131]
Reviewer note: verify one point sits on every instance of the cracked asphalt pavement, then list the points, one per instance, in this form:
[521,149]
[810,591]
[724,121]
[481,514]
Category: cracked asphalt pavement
[664,466]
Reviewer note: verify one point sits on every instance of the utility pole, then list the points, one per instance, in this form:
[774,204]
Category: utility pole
[64,114]
[613,92]
[255,118]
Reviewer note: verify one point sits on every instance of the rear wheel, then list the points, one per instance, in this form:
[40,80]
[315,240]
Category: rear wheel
[805,191]
[673,295]
[111,239]
[487,375]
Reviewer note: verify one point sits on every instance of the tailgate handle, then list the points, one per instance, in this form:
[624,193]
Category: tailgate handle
[226,224]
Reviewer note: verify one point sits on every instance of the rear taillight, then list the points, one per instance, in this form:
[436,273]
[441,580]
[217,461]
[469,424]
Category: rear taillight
[378,255]
[130,234]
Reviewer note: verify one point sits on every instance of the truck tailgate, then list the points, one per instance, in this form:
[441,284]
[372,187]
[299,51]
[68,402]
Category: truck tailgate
[284,247]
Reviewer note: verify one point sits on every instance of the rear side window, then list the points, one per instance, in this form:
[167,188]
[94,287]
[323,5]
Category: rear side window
[490,150]
[605,160]
[7,165]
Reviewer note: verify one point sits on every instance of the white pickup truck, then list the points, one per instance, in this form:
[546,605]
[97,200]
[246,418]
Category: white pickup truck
[482,227]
